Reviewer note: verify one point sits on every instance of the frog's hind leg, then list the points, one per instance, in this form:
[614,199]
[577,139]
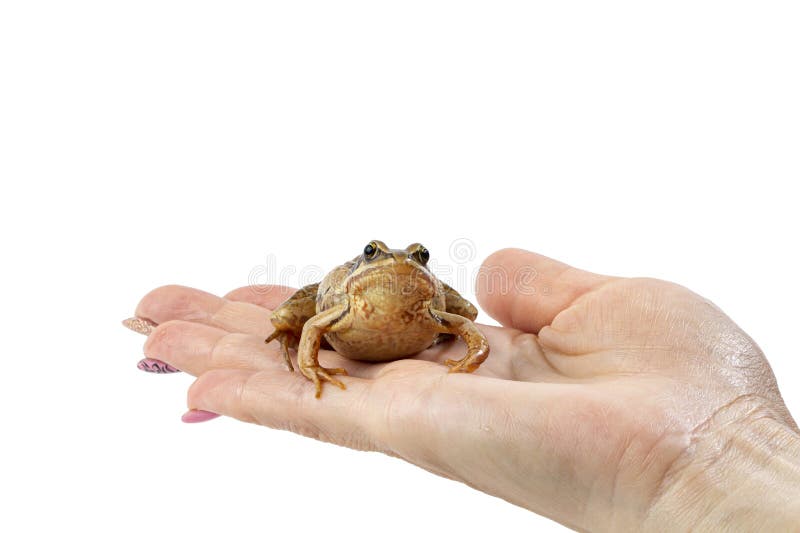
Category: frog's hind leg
[289,317]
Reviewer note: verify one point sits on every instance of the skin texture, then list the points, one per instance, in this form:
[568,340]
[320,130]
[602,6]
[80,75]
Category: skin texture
[608,403]
[383,305]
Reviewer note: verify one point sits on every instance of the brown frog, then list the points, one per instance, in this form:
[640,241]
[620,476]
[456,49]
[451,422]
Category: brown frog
[383,305]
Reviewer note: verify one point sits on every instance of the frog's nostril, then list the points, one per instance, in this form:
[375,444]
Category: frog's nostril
[400,256]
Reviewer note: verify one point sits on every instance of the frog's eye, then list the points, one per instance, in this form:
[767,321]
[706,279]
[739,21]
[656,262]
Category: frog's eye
[370,250]
[423,254]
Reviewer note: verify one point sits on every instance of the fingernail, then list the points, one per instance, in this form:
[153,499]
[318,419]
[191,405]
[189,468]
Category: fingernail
[141,325]
[193,416]
[155,366]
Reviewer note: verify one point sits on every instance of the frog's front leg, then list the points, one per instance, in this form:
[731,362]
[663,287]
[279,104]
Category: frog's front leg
[315,327]
[289,317]
[477,346]
[457,304]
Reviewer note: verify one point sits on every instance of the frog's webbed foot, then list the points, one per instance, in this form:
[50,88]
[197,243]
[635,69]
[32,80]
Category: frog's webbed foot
[317,374]
[286,339]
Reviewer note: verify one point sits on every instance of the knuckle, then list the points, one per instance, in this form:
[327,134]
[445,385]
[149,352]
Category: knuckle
[234,349]
[163,337]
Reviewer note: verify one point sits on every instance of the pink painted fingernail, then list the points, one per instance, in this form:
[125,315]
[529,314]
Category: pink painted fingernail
[155,366]
[145,326]
[193,416]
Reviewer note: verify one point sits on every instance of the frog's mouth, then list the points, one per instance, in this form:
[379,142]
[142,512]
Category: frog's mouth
[405,280]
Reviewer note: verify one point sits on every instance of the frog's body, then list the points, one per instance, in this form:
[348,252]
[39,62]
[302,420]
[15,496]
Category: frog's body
[381,306]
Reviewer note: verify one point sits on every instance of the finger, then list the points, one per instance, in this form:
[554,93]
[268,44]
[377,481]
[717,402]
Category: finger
[269,296]
[285,400]
[526,290]
[411,413]
[176,302]
[347,417]
[197,348]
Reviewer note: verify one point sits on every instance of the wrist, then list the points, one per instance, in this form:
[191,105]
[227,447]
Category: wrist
[740,472]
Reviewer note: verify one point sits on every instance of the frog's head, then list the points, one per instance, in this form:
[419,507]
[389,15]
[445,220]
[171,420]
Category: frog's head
[389,272]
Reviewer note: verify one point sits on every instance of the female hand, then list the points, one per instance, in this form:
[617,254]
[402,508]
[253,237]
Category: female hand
[606,403]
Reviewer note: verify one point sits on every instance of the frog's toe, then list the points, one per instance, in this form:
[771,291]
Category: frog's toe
[462,365]
[285,338]
[318,374]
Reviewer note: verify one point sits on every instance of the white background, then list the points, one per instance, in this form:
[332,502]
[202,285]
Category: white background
[154,142]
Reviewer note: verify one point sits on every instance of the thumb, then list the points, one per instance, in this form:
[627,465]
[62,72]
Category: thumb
[525,290]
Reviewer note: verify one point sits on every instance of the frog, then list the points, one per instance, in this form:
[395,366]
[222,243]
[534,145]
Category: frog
[383,305]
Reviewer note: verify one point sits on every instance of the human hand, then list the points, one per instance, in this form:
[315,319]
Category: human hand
[601,405]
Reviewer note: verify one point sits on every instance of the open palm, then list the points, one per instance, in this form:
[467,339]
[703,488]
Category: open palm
[595,388]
